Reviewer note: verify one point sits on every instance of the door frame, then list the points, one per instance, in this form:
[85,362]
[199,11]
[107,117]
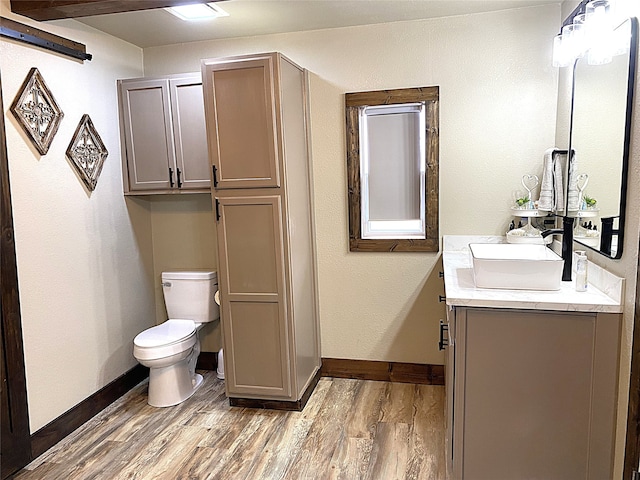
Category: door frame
[16,438]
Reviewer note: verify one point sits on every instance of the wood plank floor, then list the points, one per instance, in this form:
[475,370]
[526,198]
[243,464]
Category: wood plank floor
[349,429]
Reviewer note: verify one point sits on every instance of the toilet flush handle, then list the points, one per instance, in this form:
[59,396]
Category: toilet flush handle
[166,284]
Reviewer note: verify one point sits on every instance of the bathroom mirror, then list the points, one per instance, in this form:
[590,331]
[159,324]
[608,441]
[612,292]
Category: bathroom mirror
[392,169]
[600,135]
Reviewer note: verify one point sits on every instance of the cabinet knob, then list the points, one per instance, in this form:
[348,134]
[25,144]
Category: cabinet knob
[441,274]
[442,298]
[443,342]
[171,177]
[178,173]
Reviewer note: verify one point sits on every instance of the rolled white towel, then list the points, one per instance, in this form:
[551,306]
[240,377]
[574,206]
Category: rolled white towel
[573,196]
[546,201]
[558,186]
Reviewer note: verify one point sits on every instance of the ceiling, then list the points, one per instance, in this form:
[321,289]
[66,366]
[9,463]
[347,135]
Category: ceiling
[157,27]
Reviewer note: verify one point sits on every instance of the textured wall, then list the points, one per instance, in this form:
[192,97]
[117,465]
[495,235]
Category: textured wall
[84,259]
[627,266]
[184,238]
[498,109]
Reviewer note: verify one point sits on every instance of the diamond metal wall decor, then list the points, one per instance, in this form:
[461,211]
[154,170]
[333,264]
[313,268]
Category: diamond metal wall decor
[37,111]
[87,152]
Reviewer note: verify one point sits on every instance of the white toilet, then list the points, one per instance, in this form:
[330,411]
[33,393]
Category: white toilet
[171,349]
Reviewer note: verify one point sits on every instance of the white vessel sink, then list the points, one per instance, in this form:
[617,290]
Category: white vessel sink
[515,266]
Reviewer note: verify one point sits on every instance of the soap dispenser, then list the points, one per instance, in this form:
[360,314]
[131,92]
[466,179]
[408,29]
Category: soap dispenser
[581,271]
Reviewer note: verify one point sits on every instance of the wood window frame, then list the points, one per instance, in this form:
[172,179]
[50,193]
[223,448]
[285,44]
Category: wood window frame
[353,102]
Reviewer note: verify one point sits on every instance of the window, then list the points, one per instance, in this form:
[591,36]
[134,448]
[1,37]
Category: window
[392,164]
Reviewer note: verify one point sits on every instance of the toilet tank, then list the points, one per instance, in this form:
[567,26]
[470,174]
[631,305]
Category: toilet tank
[188,295]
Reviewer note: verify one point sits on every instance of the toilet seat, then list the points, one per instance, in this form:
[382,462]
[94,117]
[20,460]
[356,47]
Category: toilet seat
[169,338]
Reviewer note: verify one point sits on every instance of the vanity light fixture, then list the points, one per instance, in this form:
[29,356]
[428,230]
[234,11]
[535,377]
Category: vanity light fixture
[561,56]
[197,11]
[569,45]
[623,9]
[600,28]
[591,33]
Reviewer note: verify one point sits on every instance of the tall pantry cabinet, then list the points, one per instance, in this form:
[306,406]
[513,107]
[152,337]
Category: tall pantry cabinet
[257,130]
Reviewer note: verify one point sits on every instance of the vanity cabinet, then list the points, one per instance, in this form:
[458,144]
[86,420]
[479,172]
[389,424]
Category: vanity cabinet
[531,394]
[257,120]
[163,135]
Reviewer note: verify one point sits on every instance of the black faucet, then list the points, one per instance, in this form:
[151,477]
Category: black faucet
[607,233]
[567,244]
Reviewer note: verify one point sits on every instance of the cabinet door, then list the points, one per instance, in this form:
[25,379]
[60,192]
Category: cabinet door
[148,137]
[243,114]
[449,383]
[524,383]
[190,136]
[251,282]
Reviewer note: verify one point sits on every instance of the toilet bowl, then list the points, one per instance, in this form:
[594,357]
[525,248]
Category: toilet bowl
[171,349]
[167,350]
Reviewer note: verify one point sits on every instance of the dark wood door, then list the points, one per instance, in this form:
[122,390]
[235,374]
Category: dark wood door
[16,442]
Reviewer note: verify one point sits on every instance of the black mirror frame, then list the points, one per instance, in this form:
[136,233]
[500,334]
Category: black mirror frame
[605,249]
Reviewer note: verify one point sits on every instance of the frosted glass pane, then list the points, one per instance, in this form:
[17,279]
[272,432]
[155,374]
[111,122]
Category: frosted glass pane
[392,139]
[394,169]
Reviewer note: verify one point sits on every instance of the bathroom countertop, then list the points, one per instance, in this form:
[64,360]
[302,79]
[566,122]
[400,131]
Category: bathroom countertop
[460,288]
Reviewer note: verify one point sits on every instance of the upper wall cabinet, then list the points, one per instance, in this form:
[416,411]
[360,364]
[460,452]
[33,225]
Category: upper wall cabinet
[245,148]
[163,135]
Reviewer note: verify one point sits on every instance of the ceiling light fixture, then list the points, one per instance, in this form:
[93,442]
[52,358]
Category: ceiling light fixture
[197,11]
